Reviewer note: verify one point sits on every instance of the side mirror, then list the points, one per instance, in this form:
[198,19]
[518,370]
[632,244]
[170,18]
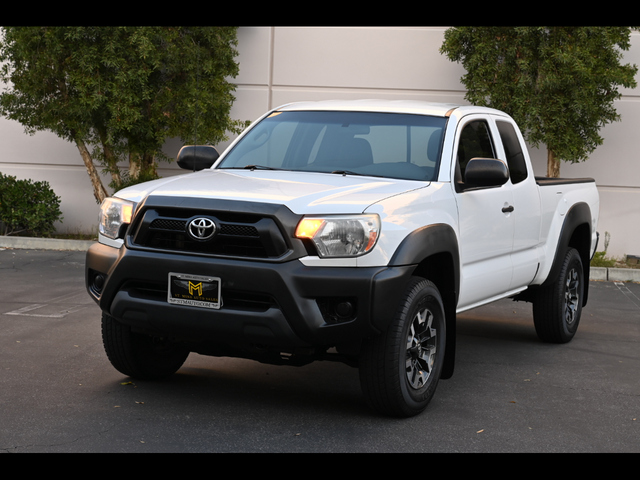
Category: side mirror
[485,172]
[197,157]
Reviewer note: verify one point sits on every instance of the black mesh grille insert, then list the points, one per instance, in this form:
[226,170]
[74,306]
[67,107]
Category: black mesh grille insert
[238,230]
[165,224]
[238,235]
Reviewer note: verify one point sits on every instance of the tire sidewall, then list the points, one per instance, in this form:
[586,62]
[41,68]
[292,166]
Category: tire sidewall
[572,262]
[425,295]
[135,355]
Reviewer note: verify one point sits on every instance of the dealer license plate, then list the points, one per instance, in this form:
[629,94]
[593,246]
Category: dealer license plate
[194,290]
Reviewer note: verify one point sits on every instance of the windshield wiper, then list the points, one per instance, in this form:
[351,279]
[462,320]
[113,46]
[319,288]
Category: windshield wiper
[345,172]
[258,167]
[249,167]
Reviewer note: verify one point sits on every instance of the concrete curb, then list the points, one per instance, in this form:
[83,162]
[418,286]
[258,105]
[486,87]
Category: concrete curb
[615,274]
[44,243]
[597,273]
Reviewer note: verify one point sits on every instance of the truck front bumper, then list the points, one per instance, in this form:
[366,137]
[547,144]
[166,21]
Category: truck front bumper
[286,305]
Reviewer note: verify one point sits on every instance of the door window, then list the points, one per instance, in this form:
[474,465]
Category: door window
[475,141]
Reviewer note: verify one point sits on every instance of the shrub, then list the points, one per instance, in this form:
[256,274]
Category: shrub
[27,206]
[600,259]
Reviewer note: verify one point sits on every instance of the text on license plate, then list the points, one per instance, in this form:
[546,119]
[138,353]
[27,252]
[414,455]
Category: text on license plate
[194,290]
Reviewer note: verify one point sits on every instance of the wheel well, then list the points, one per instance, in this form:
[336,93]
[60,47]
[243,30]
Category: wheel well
[581,241]
[439,268]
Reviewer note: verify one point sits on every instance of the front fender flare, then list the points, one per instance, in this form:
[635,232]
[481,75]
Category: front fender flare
[437,241]
[427,241]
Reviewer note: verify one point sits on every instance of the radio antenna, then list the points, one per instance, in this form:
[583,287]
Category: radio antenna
[195,147]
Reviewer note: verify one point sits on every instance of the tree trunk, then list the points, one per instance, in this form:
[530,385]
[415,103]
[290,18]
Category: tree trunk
[99,192]
[553,165]
[110,160]
[141,166]
[134,165]
[149,165]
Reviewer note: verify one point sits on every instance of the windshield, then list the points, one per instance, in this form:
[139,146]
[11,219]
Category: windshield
[360,143]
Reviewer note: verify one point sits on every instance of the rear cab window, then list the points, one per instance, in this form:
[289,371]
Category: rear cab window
[513,150]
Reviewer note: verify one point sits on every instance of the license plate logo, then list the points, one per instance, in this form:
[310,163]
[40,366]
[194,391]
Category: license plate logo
[194,290]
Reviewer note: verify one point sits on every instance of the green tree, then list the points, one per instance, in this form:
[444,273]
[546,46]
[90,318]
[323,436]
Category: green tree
[119,93]
[558,83]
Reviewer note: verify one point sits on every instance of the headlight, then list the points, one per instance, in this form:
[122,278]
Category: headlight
[114,213]
[341,235]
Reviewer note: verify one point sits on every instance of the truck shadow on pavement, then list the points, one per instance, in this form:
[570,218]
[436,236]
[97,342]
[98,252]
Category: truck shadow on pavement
[227,384]
[492,334]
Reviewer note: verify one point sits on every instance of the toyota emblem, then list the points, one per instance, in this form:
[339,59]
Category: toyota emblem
[201,228]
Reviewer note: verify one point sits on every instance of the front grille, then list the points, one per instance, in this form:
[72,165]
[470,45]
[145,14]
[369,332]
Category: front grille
[237,235]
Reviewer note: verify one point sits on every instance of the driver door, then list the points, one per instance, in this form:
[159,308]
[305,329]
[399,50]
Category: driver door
[486,224]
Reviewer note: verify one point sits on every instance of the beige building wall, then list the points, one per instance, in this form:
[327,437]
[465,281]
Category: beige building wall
[286,64]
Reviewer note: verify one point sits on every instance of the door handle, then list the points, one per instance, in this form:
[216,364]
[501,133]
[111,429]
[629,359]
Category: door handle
[508,209]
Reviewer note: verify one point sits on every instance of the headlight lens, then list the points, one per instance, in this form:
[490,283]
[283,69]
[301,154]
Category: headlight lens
[341,235]
[114,213]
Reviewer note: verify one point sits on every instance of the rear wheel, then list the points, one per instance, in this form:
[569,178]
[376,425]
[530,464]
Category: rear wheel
[557,308]
[137,355]
[400,369]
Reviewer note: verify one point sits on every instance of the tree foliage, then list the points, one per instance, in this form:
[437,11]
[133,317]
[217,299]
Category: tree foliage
[119,93]
[558,83]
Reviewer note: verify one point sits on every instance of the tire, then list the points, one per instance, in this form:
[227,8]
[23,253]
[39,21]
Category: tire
[137,355]
[400,368]
[557,308]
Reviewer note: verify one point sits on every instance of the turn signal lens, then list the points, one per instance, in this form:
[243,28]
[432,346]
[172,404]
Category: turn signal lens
[308,227]
[341,235]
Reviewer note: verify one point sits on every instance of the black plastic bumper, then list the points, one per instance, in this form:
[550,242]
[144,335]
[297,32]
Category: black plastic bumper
[293,306]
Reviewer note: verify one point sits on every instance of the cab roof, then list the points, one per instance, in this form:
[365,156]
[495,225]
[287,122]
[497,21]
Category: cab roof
[388,106]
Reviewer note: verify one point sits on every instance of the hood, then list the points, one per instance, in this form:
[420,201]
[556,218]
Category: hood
[301,192]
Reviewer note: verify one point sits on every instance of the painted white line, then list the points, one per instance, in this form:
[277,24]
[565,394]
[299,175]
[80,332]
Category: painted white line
[28,308]
[63,313]
[70,295]
[628,293]
[24,311]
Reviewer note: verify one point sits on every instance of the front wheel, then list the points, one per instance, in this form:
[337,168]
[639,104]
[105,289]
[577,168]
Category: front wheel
[137,355]
[400,369]
[557,308]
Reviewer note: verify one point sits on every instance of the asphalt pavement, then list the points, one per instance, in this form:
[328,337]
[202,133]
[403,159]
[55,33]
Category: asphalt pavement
[510,392]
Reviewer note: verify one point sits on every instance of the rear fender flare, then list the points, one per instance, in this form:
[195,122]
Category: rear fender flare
[579,214]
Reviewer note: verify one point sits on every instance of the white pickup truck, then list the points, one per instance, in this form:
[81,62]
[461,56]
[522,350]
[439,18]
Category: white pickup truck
[342,230]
